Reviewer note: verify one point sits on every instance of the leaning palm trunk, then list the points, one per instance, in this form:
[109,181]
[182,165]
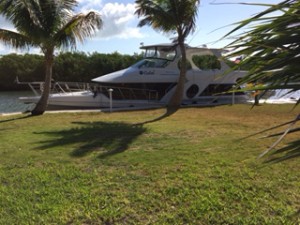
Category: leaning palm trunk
[42,104]
[176,100]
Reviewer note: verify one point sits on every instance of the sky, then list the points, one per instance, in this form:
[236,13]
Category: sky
[121,34]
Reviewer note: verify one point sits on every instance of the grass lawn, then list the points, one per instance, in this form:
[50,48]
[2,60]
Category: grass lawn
[190,168]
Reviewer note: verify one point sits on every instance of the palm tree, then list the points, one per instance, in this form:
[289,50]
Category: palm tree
[271,46]
[48,25]
[171,17]
[272,50]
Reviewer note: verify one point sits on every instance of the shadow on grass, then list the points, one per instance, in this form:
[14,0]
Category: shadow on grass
[14,119]
[295,217]
[292,150]
[108,138]
[169,112]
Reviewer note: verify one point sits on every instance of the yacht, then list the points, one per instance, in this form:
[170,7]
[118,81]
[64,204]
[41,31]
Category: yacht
[152,81]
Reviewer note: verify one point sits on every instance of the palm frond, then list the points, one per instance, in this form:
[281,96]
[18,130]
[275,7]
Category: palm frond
[21,14]
[272,46]
[281,137]
[55,13]
[154,15]
[79,27]
[15,39]
[169,16]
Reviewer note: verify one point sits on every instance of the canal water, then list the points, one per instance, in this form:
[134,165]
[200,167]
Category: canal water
[9,102]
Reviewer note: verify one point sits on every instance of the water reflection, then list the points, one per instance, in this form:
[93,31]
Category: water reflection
[9,101]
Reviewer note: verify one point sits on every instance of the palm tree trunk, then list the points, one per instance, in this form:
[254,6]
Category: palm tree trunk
[176,99]
[42,104]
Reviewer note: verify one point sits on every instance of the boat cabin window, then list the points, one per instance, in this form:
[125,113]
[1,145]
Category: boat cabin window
[157,57]
[150,53]
[206,62]
[168,53]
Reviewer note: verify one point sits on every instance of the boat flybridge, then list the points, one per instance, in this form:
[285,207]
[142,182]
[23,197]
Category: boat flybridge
[152,81]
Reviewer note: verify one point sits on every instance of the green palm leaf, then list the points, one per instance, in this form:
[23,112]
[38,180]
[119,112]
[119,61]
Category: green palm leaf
[272,45]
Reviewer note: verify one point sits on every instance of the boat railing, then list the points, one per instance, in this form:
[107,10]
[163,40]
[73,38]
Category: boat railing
[74,86]
[122,93]
[119,93]
[37,87]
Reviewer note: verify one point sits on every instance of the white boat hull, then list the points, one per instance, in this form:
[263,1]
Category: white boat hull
[87,99]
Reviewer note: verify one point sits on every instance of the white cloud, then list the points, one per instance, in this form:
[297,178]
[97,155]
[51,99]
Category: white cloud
[85,5]
[119,21]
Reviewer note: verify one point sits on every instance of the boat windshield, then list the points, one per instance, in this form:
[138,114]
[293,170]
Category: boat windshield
[151,63]
[157,57]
